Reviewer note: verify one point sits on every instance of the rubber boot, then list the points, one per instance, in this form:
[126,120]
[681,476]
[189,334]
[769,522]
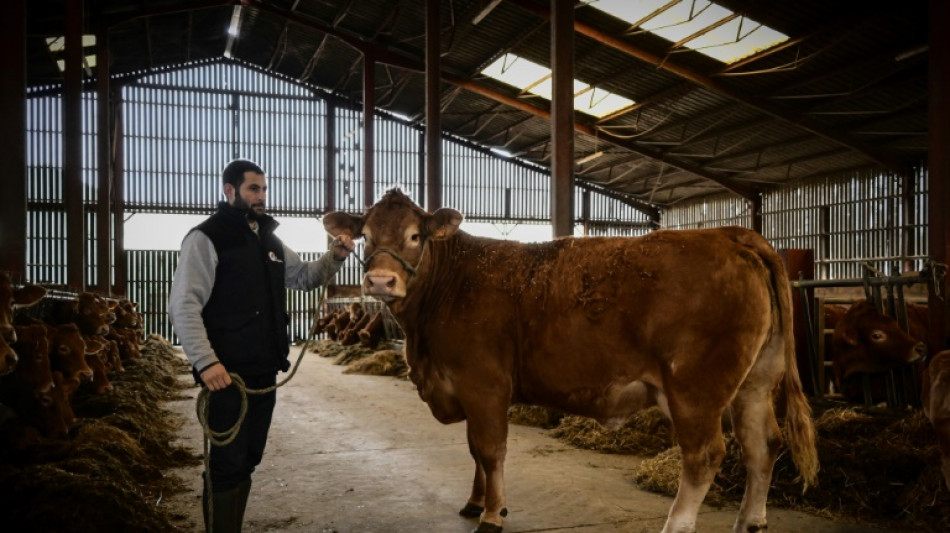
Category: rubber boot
[224,511]
[244,489]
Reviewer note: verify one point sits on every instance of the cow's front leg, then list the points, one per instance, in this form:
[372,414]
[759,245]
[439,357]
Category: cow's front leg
[487,441]
[476,501]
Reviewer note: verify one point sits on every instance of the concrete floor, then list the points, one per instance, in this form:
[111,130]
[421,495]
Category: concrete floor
[361,454]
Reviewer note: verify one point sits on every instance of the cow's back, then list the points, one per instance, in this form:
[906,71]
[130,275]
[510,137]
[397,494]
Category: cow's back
[575,321]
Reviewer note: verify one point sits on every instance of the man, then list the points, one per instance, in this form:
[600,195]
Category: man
[227,305]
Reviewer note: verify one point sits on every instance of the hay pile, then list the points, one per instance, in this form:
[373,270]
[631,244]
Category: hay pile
[108,474]
[878,469]
[645,433]
[534,416]
[380,363]
[385,360]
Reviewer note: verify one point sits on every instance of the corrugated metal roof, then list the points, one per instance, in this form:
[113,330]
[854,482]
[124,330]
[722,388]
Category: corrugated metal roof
[847,92]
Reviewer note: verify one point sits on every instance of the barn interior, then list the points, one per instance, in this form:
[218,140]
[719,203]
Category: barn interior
[822,125]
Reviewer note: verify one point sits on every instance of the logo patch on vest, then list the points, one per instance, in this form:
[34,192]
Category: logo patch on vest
[273,257]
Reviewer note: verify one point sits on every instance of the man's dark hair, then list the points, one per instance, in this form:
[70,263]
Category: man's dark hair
[234,172]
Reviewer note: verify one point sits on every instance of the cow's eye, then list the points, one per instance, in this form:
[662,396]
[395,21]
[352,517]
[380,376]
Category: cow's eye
[878,336]
[414,237]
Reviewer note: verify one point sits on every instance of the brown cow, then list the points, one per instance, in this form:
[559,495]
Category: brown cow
[373,331]
[865,340]
[694,321]
[935,399]
[350,335]
[56,418]
[10,299]
[68,351]
[32,347]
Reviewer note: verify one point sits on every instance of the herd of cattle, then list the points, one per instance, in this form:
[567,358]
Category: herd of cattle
[352,325]
[868,342]
[45,356]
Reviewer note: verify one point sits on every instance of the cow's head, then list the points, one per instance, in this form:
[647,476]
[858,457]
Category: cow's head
[93,314]
[32,347]
[395,233]
[867,341]
[10,299]
[68,351]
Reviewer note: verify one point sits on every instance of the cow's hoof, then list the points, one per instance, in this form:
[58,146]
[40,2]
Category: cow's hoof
[474,511]
[471,510]
[485,527]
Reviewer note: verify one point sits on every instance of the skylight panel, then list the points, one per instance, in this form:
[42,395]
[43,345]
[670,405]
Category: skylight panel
[535,79]
[716,31]
[57,46]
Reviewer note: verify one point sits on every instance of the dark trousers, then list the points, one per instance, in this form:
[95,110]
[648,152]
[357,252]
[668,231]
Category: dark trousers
[233,464]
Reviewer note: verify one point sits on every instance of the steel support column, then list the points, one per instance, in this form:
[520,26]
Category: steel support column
[369,122]
[331,161]
[433,147]
[103,140]
[939,167]
[562,117]
[72,148]
[118,197]
[13,139]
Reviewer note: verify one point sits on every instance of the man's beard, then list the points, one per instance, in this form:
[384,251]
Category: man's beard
[241,205]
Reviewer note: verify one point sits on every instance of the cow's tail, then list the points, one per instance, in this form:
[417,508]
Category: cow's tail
[799,426]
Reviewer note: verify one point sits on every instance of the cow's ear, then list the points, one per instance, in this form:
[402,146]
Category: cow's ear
[94,346]
[28,295]
[444,223]
[850,336]
[339,223]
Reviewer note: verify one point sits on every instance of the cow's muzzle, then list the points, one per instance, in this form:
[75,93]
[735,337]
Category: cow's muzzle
[383,284]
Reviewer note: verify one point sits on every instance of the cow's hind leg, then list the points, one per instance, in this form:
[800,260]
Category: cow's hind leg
[758,433]
[759,436]
[703,449]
